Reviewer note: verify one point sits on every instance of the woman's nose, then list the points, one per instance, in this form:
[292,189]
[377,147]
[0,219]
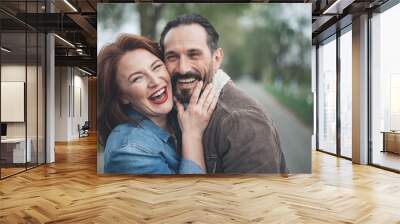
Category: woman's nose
[154,80]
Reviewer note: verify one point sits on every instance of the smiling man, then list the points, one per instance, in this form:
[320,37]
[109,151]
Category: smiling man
[240,137]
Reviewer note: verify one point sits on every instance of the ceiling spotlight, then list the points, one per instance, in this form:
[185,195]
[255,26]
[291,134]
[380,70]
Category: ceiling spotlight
[338,6]
[84,71]
[70,5]
[64,40]
[5,50]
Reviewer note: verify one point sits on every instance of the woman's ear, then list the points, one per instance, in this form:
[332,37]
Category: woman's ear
[218,56]
[123,99]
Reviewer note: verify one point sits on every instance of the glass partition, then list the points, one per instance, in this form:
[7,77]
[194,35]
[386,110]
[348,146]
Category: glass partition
[327,96]
[22,88]
[13,109]
[41,86]
[31,97]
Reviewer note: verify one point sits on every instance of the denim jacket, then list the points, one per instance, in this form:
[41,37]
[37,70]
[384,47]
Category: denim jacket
[144,149]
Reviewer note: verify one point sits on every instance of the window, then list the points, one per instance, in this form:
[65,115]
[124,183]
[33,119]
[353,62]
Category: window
[385,88]
[346,94]
[327,96]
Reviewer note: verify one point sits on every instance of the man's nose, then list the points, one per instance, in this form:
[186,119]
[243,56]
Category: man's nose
[183,66]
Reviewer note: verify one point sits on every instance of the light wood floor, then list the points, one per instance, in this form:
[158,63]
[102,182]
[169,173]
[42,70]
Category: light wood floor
[5,172]
[388,159]
[10,171]
[70,191]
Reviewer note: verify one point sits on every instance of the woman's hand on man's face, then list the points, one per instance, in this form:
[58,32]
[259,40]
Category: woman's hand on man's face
[194,120]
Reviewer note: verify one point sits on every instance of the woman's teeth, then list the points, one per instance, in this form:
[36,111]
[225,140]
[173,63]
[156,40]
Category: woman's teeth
[158,94]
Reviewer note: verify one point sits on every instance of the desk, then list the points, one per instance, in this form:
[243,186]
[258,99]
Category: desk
[391,141]
[16,147]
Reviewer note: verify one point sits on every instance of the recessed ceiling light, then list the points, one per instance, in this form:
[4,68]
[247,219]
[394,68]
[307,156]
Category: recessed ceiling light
[337,7]
[70,5]
[64,40]
[86,72]
[5,50]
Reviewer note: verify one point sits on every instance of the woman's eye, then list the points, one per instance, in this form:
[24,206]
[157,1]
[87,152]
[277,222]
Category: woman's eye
[157,67]
[136,79]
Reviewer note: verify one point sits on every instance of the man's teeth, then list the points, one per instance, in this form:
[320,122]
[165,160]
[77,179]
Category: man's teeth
[186,80]
[158,93]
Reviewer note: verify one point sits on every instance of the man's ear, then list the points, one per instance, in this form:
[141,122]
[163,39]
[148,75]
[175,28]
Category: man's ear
[218,56]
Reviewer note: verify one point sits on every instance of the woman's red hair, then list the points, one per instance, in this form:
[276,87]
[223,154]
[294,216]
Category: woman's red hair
[112,111]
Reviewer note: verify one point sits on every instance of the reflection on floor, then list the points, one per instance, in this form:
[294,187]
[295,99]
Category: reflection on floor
[11,169]
[386,159]
[346,152]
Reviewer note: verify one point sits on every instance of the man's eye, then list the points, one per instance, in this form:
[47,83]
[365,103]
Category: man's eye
[171,58]
[194,55]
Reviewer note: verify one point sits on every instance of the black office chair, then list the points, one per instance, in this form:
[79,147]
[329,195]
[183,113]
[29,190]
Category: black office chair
[84,130]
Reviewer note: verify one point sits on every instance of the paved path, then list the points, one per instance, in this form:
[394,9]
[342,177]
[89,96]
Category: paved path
[294,135]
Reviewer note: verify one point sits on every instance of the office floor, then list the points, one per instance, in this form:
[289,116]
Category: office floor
[10,170]
[69,191]
[387,159]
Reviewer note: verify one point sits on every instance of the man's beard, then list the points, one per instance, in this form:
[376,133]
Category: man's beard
[183,95]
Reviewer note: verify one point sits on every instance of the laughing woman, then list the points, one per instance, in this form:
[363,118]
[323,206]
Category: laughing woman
[136,125]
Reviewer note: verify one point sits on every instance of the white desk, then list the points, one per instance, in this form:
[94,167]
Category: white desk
[18,149]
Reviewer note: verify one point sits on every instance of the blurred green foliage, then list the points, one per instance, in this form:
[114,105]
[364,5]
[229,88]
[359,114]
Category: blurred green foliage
[269,42]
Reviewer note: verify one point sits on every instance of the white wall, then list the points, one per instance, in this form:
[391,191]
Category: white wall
[61,103]
[14,73]
[80,89]
[17,73]
[71,87]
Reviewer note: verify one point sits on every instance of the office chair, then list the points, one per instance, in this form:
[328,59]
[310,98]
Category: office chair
[84,130]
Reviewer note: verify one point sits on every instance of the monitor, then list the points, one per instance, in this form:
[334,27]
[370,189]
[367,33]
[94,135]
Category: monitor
[3,129]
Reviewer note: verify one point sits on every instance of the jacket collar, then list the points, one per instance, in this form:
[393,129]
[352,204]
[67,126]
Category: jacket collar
[219,80]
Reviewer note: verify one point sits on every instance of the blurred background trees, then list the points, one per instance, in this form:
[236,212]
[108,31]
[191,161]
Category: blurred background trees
[268,43]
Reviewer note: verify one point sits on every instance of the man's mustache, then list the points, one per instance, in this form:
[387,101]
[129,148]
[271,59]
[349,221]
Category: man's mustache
[176,76]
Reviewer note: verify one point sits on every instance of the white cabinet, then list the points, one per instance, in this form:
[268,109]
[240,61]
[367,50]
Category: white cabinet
[18,149]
